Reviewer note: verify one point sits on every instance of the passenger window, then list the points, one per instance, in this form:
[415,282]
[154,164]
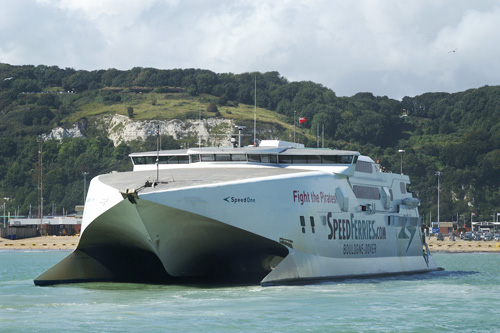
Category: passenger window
[286,159]
[254,158]
[207,157]
[222,157]
[238,157]
[194,158]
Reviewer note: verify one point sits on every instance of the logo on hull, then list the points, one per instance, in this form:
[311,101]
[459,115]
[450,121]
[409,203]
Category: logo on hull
[236,200]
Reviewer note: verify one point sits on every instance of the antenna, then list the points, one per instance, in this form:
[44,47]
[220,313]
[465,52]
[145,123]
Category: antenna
[255,114]
[317,135]
[240,129]
[323,137]
[40,182]
[158,154]
[199,137]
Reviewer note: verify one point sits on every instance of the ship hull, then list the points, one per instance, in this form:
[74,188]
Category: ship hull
[270,228]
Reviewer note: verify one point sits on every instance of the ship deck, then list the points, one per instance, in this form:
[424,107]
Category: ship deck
[187,177]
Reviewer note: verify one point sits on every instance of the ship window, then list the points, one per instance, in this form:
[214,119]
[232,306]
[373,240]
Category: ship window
[363,166]
[285,159]
[222,157]
[345,159]
[178,159]
[268,158]
[366,192]
[301,159]
[314,159]
[238,157]
[402,186]
[194,158]
[207,157]
[311,219]
[329,159]
[144,160]
[254,158]
[166,159]
[303,224]
[139,160]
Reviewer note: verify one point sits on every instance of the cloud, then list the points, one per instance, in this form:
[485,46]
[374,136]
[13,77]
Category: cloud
[388,47]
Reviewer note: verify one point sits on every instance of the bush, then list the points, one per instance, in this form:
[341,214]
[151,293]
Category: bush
[212,107]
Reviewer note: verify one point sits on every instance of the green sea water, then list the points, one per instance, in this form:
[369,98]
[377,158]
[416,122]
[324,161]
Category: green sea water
[464,297]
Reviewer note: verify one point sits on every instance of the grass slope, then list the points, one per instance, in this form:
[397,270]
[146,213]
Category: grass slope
[178,106]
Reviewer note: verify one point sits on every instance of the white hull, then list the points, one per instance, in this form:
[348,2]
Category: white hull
[265,225]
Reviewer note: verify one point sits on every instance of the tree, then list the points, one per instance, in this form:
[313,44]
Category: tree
[77,82]
[130,112]
[25,86]
[49,100]
[205,82]
[35,115]
[212,107]
[192,90]
[223,100]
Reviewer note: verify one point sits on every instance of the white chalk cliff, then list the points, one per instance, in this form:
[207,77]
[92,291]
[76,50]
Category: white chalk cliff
[212,131]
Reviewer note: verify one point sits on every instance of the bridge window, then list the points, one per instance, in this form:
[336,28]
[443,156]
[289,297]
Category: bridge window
[144,160]
[316,159]
[345,159]
[181,159]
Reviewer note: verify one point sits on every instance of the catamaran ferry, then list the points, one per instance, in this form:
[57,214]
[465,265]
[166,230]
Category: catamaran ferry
[277,213]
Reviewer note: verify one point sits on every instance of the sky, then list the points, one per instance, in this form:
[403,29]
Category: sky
[392,48]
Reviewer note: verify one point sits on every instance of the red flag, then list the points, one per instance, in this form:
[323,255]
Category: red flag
[302,120]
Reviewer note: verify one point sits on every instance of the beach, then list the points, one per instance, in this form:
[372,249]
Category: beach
[463,246]
[70,243]
[41,243]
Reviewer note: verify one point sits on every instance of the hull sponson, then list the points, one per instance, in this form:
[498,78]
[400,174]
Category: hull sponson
[114,249]
[299,267]
[189,244]
[150,243]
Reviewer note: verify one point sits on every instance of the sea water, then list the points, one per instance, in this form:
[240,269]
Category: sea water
[465,296]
